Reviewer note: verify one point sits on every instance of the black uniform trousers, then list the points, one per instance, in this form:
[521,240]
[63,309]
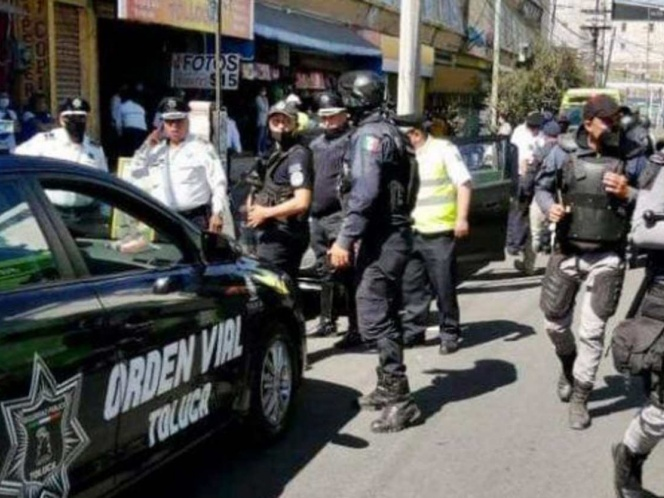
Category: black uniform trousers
[431,269]
[381,261]
[199,216]
[283,246]
[324,231]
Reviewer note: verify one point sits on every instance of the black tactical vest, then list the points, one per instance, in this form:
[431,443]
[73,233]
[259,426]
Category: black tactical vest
[272,194]
[596,218]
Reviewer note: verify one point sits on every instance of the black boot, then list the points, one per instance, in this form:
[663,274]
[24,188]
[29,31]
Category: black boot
[350,340]
[379,397]
[566,379]
[401,410]
[326,326]
[627,472]
[579,418]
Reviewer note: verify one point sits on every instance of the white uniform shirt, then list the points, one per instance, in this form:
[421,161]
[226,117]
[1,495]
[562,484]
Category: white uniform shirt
[132,115]
[184,177]
[526,143]
[56,144]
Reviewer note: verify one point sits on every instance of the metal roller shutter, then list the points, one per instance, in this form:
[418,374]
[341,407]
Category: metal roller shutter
[68,51]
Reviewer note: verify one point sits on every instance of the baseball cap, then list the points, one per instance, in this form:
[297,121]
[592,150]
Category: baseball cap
[535,120]
[285,108]
[76,106]
[173,108]
[600,106]
[551,129]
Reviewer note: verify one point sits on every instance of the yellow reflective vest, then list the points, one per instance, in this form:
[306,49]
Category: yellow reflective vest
[436,207]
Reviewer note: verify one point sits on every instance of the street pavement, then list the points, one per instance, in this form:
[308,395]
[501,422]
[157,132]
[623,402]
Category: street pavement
[492,428]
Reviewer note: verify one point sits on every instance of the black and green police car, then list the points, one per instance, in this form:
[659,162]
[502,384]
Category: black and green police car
[126,335]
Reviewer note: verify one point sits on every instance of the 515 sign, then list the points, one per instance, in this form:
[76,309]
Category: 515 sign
[199,71]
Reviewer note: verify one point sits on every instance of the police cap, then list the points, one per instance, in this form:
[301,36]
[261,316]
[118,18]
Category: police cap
[600,106]
[408,122]
[285,108]
[173,108]
[76,106]
[329,104]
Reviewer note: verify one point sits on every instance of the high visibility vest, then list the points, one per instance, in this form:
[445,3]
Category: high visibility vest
[436,207]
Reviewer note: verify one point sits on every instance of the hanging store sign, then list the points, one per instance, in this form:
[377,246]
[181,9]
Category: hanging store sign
[237,16]
[199,71]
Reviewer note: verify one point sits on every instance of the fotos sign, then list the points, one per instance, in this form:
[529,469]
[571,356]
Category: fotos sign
[199,71]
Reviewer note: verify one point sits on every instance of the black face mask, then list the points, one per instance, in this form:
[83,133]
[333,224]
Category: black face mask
[335,132]
[75,129]
[285,139]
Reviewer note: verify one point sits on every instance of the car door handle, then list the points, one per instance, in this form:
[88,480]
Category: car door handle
[137,328]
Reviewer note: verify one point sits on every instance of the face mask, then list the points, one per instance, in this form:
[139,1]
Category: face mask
[4,103]
[335,132]
[610,142]
[284,138]
[76,129]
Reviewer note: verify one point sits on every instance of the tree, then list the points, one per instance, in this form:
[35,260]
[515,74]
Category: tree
[541,83]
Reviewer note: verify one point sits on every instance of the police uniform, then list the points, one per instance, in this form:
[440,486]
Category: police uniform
[282,242]
[432,264]
[187,177]
[647,428]
[591,246]
[378,219]
[58,144]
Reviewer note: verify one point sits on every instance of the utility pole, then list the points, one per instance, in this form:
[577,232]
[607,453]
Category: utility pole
[607,66]
[595,28]
[552,24]
[649,89]
[218,115]
[409,56]
[496,64]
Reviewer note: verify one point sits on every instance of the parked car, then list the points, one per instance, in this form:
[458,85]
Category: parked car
[126,334]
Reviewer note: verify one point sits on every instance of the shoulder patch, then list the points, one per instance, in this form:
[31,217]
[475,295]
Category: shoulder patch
[370,143]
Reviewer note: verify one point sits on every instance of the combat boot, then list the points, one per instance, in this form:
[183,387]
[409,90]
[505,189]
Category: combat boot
[401,411]
[627,472]
[379,397]
[326,326]
[579,418]
[566,379]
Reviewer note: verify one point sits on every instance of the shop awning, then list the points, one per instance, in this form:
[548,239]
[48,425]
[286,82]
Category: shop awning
[307,32]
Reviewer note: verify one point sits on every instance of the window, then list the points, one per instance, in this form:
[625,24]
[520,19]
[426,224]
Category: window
[445,12]
[25,258]
[110,239]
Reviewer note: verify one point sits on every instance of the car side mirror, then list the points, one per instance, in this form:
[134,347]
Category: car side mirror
[217,247]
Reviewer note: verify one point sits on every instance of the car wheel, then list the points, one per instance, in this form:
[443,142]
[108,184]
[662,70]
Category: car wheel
[274,370]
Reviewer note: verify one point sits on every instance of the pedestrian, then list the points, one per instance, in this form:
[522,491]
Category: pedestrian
[9,125]
[377,223]
[181,170]
[37,118]
[525,138]
[279,209]
[330,151]
[504,126]
[233,141]
[591,236]
[132,127]
[262,108]
[440,218]
[647,428]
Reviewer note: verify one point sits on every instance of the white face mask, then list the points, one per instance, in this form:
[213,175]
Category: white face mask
[4,103]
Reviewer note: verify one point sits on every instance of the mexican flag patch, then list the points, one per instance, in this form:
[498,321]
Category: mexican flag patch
[371,144]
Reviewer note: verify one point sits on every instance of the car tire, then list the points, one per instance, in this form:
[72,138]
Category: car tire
[274,368]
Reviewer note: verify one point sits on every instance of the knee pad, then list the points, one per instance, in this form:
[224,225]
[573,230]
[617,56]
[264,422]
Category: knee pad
[558,290]
[606,291]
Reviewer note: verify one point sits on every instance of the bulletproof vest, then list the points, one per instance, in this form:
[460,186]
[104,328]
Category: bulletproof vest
[330,158]
[272,194]
[596,218]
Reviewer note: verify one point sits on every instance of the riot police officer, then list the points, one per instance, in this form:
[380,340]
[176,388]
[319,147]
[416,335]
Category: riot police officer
[589,200]
[647,427]
[279,209]
[329,151]
[377,222]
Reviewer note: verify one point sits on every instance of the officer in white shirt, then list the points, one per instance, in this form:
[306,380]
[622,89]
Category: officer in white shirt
[8,125]
[182,171]
[69,143]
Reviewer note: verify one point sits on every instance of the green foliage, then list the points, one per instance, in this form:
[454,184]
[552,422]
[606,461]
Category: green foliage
[540,85]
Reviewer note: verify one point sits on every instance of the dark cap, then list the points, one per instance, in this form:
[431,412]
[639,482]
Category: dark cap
[329,104]
[600,106]
[285,108]
[172,109]
[407,122]
[551,129]
[76,106]
[535,120]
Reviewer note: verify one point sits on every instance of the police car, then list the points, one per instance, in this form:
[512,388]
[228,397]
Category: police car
[126,335]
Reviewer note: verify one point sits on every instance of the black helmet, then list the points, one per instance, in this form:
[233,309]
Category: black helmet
[361,90]
[329,103]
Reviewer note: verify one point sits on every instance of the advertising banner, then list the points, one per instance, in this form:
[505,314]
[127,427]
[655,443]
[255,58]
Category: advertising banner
[199,71]
[237,16]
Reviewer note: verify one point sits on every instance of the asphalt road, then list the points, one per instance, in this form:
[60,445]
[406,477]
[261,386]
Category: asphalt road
[492,428]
